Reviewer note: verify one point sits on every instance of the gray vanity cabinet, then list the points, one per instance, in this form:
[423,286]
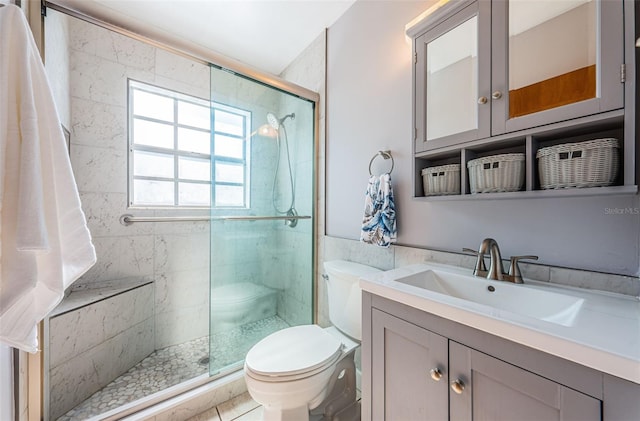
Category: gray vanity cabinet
[420,375]
[495,390]
[408,358]
[418,366]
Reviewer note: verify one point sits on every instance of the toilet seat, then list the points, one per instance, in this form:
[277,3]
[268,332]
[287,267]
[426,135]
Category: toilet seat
[293,353]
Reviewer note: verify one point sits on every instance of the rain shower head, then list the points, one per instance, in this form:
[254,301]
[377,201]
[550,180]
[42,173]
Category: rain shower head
[275,122]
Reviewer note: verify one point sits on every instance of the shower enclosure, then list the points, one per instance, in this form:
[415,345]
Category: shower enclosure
[261,215]
[181,289]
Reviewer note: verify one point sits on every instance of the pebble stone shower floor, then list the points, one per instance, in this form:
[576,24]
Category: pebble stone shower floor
[173,365]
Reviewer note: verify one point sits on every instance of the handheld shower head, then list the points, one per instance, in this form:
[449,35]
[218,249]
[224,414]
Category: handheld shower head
[275,122]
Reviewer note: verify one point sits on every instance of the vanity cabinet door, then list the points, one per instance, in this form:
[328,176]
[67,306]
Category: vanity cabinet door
[410,371]
[452,79]
[554,60]
[491,389]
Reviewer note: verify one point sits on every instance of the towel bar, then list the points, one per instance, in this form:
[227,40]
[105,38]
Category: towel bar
[128,219]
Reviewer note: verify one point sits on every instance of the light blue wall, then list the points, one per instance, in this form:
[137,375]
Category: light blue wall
[369,108]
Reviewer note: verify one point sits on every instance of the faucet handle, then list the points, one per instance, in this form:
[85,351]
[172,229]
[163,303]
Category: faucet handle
[480,266]
[514,269]
[474,252]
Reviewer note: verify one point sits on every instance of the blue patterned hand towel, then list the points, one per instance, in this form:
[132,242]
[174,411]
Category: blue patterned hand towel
[379,222]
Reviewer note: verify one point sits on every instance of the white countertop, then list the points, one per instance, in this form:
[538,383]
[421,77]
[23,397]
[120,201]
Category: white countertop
[605,335]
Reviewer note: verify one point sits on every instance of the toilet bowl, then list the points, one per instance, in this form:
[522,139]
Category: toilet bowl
[305,369]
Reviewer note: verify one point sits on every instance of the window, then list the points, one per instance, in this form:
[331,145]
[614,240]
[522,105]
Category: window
[170,150]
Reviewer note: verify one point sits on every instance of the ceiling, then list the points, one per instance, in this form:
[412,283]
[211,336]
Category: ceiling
[265,34]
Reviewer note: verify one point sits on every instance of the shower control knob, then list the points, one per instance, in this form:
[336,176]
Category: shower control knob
[436,374]
[457,386]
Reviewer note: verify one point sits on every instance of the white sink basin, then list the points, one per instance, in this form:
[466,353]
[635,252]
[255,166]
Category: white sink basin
[520,299]
[596,329]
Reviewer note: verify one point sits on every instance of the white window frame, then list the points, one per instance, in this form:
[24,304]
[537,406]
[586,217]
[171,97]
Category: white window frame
[176,153]
[246,156]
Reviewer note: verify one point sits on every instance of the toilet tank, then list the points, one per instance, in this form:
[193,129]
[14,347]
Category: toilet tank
[345,296]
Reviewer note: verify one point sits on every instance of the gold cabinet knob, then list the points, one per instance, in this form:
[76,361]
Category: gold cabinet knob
[457,386]
[482,100]
[436,374]
[496,95]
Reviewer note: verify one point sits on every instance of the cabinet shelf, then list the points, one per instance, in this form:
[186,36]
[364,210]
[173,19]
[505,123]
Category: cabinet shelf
[537,194]
[609,124]
[469,121]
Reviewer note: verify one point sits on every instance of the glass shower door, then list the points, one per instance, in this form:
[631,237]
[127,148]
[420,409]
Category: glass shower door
[261,278]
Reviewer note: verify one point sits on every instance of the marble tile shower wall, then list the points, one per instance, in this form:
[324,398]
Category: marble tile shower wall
[243,251]
[307,70]
[109,337]
[174,255]
[292,262]
[57,64]
[239,249]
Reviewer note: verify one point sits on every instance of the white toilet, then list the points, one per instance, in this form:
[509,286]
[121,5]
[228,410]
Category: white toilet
[307,371]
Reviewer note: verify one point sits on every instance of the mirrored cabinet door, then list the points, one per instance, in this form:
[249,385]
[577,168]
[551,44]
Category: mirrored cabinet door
[452,80]
[552,54]
[555,60]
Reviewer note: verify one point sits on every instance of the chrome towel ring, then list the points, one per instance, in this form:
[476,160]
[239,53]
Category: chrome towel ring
[385,155]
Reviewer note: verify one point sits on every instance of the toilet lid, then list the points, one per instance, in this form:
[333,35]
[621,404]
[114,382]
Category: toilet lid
[292,351]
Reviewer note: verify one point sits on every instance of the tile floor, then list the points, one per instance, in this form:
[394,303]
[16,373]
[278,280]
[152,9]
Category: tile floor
[240,408]
[175,364]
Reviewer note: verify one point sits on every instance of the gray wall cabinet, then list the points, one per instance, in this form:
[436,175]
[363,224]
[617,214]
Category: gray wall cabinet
[491,77]
[417,366]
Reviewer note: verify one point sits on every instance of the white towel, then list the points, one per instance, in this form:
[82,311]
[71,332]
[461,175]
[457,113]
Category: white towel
[379,221]
[44,239]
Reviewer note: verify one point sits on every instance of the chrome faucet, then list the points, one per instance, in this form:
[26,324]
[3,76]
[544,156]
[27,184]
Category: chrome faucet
[496,269]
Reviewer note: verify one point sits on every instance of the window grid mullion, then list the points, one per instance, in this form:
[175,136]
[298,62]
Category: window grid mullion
[245,148]
[228,160]
[152,178]
[176,159]
[213,158]
[191,181]
[183,180]
[176,154]
[235,136]
[165,151]
[181,126]
[229,183]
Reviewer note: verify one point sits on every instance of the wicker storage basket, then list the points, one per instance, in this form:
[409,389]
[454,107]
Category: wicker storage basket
[585,164]
[441,180]
[497,173]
